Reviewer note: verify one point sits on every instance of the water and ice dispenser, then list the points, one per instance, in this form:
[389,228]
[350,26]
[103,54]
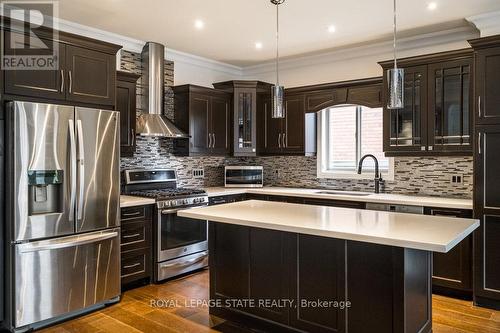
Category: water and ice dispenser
[45,191]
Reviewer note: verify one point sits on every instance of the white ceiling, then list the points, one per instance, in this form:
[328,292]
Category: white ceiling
[232,27]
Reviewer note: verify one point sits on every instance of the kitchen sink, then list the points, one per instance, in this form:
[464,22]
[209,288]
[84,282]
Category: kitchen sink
[360,194]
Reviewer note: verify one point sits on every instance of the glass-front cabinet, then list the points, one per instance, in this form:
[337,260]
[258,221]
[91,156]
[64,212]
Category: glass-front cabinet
[436,118]
[248,113]
[405,132]
[450,105]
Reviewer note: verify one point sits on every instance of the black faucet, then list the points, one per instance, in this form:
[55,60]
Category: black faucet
[378,176]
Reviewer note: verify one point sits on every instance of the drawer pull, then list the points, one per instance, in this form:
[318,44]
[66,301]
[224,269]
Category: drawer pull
[137,213]
[131,266]
[131,236]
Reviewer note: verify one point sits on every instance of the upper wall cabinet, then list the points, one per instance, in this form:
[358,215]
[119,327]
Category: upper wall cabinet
[487,82]
[249,98]
[126,104]
[436,118]
[86,73]
[204,113]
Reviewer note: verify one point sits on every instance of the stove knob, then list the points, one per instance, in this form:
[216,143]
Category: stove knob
[185,201]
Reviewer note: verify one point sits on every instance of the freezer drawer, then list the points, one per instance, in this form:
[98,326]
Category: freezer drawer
[61,275]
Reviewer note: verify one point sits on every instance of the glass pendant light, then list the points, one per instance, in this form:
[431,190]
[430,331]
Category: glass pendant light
[395,78]
[277,91]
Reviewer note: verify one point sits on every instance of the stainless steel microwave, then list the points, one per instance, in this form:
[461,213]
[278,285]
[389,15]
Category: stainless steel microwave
[243,176]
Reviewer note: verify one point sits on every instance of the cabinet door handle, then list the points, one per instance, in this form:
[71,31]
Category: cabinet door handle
[131,266]
[131,236]
[136,213]
[209,140]
[213,144]
[279,140]
[284,141]
[70,89]
[62,80]
[479,106]
[479,143]
[133,136]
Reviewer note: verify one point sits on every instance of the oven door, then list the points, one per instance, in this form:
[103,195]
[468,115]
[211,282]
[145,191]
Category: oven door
[179,236]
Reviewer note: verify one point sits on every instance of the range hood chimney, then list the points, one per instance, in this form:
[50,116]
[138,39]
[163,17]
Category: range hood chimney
[153,122]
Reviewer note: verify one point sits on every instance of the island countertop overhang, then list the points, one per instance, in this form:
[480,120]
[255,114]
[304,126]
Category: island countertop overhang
[422,232]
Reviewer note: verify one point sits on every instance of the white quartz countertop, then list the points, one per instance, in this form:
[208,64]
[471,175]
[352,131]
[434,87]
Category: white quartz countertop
[131,201]
[423,232]
[396,199]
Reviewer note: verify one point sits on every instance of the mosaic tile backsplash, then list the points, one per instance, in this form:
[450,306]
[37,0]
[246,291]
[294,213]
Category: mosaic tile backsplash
[413,175]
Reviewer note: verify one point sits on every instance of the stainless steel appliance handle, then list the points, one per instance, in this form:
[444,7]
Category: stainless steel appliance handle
[71,242]
[185,263]
[279,140]
[62,80]
[175,210]
[72,194]
[70,89]
[81,168]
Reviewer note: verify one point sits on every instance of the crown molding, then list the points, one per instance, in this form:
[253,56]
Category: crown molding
[135,45]
[487,23]
[378,48]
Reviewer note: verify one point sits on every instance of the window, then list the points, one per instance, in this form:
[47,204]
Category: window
[347,133]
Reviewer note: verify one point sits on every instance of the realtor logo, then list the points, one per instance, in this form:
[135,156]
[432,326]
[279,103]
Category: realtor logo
[30,38]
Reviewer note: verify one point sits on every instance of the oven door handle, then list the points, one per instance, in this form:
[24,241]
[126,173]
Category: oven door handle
[186,262]
[175,210]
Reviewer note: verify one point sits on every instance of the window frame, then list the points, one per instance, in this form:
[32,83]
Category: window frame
[323,170]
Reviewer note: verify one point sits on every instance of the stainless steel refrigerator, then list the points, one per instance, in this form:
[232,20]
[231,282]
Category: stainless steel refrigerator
[63,192]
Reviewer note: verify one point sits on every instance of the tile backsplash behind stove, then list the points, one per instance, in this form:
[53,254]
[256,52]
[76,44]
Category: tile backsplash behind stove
[413,175]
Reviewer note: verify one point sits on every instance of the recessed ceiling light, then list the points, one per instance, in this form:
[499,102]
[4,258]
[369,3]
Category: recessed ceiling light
[258,45]
[432,6]
[331,29]
[199,24]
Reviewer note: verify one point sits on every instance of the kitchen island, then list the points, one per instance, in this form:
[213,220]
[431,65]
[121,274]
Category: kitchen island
[296,267]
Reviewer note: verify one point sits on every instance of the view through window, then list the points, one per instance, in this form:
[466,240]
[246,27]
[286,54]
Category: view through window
[348,133]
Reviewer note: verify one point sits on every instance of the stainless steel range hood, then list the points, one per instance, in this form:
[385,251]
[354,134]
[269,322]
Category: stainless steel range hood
[153,122]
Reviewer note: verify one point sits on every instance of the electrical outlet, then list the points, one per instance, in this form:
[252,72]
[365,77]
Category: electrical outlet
[278,173]
[457,179]
[198,173]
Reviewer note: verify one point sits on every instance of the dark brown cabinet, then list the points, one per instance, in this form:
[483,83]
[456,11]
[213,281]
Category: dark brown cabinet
[487,81]
[205,114]
[436,118]
[319,270]
[86,73]
[36,83]
[486,176]
[487,209]
[450,106]
[452,271]
[126,104]
[135,245]
[285,136]
[91,76]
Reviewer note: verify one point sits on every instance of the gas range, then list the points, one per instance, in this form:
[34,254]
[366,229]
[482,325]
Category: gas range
[174,197]
[180,244]
[161,185]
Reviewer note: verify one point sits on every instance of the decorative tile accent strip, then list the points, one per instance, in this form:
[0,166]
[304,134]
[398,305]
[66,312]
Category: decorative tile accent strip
[416,176]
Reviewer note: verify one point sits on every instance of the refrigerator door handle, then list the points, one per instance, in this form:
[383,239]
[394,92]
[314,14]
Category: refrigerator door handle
[81,168]
[69,242]
[72,200]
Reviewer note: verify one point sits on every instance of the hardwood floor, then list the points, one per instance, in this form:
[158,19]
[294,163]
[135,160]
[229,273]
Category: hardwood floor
[173,312]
